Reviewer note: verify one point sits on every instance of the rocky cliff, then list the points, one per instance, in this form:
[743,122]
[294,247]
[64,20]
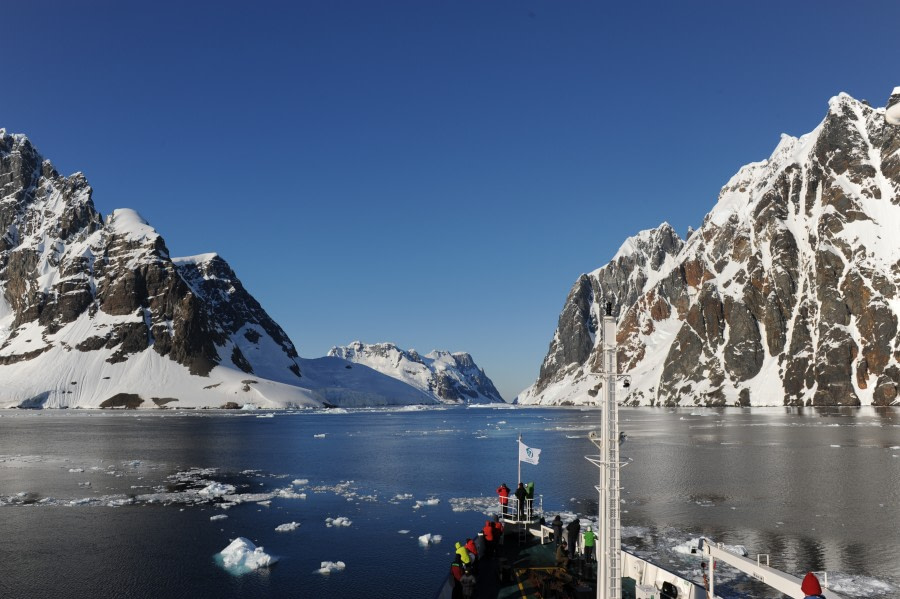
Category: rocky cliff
[786,295]
[95,312]
[450,378]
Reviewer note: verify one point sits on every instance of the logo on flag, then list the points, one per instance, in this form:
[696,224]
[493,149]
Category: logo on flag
[527,454]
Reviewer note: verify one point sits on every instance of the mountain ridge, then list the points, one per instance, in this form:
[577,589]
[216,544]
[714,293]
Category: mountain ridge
[448,377]
[785,295]
[95,312]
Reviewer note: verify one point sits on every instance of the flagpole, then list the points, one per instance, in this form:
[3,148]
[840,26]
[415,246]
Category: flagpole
[519,459]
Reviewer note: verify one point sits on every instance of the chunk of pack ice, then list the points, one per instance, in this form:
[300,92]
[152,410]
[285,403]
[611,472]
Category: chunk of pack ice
[287,527]
[339,521]
[242,556]
[329,567]
[429,539]
[216,490]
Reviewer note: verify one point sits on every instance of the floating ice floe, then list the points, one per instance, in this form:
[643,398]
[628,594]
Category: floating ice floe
[402,496]
[339,521]
[319,436]
[216,490]
[290,526]
[242,556]
[485,505]
[73,470]
[429,539]
[300,482]
[289,493]
[858,586]
[403,532]
[329,567]
[217,517]
[691,547]
[429,501]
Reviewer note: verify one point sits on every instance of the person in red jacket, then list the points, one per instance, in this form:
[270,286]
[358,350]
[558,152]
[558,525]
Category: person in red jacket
[488,532]
[456,569]
[470,545]
[498,530]
[503,492]
[811,587]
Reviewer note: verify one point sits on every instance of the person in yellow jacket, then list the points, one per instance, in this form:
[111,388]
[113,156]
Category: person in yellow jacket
[590,541]
[463,553]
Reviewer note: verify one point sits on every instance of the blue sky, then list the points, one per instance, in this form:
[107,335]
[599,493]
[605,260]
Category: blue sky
[436,174]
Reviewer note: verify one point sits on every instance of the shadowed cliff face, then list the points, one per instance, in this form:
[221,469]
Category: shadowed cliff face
[786,295]
[70,279]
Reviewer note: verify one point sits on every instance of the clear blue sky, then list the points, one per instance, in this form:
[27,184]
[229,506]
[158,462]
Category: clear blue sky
[436,174]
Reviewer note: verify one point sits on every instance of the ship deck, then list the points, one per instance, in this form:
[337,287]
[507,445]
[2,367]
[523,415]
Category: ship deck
[525,568]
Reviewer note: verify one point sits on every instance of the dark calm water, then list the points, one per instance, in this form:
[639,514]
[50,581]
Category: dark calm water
[818,490]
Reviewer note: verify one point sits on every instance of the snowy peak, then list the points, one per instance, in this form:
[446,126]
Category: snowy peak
[786,295]
[128,224]
[650,247]
[85,299]
[448,377]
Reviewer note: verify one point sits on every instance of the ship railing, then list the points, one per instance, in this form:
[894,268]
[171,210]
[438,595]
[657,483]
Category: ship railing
[532,510]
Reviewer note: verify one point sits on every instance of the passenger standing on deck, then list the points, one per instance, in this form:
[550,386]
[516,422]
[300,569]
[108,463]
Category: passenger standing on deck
[468,584]
[811,587]
[590,540]
[557,529]
[463,554]
[480,545]
[456,569]
[529,499]
[503,492]
[473,552]
[521,494]
[488,532]
[498,530]
[574,529]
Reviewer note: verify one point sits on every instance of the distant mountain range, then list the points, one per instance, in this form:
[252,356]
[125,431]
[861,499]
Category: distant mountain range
[786,295]
[95,312]
[450,378]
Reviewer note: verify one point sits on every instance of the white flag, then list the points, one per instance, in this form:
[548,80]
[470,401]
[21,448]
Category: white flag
[529,454]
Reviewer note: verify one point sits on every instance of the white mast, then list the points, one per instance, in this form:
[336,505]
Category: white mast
[609,573]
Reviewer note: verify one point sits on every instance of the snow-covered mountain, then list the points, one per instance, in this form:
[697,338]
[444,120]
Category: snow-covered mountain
[786,295]
[450,378]
[95,312]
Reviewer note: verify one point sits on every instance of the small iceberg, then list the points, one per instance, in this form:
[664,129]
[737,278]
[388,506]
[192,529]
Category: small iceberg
[290,526]
[339,521]
[217,517]
[429,539]
[242,556]
[329,567]
[216,490]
